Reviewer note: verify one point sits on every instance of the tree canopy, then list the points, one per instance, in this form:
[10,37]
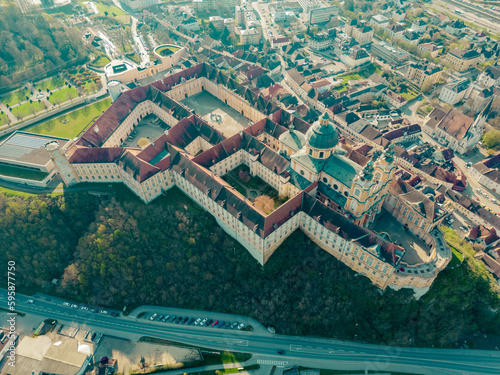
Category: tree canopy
[32,44]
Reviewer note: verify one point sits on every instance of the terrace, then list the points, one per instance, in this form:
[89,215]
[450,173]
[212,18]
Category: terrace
[417,251]
[166,50]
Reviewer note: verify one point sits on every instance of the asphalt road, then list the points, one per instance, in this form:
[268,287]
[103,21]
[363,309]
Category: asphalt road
[305,351]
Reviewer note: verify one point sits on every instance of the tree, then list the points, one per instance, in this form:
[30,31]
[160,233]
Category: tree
[427,87]
[264,203]
[349,5]
[224,38]
[491,139]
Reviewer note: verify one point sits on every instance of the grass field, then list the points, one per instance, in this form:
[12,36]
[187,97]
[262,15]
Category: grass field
[63,95]
[101,61]
[77,121]
[166,50]
[113,12]
[51,84]
[27,109]
[15,97]
[9,171]
[456,259]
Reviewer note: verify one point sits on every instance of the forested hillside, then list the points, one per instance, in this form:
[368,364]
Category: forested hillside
[31,44]
[175,255]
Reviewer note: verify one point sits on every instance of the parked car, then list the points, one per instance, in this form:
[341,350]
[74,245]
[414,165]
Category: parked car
[75,306]
[171,319]
[241,326]
[94,310]
[165,318]
[84,308]
[281,351]
[161,317]
[115,314]
[183,321]
[198,321]
[153,317]
[209,321]
[104,312]
[215,323]
[30,301]
[220,324]
[190,321]
[203,321]
[66,304]
[234,325]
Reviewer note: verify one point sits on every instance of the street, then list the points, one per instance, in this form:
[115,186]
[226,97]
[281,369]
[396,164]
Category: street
[304,351]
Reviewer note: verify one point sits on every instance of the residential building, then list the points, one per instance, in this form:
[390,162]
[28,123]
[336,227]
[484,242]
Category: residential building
[419,26]
[423,73]
[454,92]
[489,77]
[409,36]
[190,24]
[429,48]
[440,19]
[462,60]
[249,36]
[396,30]
[455,130]
[456,27]
[392,55]
[280,42]
[308,5]
[214,4]
[217,21]
[280,14]
[230,25]
[379,21]
[393,98]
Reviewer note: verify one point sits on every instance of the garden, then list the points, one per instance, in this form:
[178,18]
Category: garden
[101,61]
[265,197]
[15,97]
[4,119]
[83,79]
[71,124]
[49,84]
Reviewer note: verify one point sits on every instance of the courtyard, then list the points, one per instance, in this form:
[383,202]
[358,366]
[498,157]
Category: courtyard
[149,129]
[253,188]
[417,251]
[217,114]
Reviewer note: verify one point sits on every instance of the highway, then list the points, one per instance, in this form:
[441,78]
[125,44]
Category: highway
[304,351]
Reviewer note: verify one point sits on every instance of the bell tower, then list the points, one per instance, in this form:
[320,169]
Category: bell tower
[62,164]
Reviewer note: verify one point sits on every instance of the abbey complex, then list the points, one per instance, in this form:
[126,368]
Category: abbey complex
[336,190]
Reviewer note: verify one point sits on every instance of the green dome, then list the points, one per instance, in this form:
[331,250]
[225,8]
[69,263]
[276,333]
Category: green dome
[322,135]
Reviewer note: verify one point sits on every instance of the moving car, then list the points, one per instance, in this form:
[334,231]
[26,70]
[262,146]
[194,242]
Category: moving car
[281,351]
[30,301]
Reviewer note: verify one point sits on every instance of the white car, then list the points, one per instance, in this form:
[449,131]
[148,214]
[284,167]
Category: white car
[241,326]
[197,321]
[84,308]
[30,301]
[203,321]
[75,306]
[66,304]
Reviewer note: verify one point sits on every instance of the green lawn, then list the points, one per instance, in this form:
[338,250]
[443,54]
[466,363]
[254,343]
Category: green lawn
[101,61]
[77,121]
[63,95]
[113,12]
[27,109]
[3,119]
[166,50]
[9,171]
[15,97]
[456,259]
[51,84]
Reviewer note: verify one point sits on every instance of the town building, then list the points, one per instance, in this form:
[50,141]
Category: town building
[392,55]
[205,5]
[454,92]
[359,31]
[487,172]
[409,36]
[24,160]
[423,73]
[330,191]
[280,14]
[355,57]
[462,60]
[139,4]
[455,27]
[320,42]
[455,130]
[322,15]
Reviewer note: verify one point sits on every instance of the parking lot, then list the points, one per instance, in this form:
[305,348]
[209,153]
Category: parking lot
[195,321]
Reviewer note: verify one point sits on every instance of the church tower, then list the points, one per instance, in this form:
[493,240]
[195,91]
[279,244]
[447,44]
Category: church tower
[476,130]
[62,164]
